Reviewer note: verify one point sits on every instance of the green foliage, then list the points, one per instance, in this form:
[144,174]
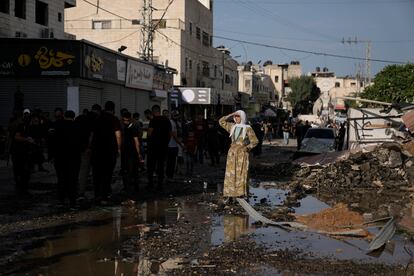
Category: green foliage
[304,94]
[394,84]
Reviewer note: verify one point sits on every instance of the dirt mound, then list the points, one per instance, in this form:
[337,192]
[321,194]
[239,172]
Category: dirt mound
[336,219]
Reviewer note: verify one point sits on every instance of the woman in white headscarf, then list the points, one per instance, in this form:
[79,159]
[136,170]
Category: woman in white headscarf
[243,140]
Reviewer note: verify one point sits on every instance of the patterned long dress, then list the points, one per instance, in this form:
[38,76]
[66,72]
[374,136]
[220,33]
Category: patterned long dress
[237,166]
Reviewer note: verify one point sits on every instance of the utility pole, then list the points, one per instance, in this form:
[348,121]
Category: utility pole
[368,49]
[147,32]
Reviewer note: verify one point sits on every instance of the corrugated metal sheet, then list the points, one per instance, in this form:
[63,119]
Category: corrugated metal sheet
[112,92]
[45,94]
[90,93]
[408,120]
[128,99]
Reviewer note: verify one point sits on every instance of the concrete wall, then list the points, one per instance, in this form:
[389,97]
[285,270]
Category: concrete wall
[10,24]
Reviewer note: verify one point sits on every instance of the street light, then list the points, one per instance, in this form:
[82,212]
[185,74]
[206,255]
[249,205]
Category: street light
[122,48]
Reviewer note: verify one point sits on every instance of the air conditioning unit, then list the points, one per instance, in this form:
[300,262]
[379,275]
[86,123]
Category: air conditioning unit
[20,34]
[44,33]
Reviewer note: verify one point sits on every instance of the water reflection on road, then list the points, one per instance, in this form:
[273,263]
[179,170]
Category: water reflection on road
[108,245]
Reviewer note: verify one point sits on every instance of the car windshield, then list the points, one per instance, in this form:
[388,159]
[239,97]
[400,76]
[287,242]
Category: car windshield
[320,133]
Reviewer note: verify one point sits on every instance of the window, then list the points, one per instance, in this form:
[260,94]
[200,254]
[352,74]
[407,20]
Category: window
[59,16]
[4,6]
[161,24]
[198,33]
[215,71]
[20,9]
[206,69]
[247,85]
[337,84]
[102,24]
[42,16]
[186,64]
[353,84]
[191,28]
[211,41]
[206,41]
[190,64]
[276,79]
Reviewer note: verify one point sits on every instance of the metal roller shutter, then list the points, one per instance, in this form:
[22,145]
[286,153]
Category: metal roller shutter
[43,93]
[128,100]
[112,92]
[90,93]
[142,101]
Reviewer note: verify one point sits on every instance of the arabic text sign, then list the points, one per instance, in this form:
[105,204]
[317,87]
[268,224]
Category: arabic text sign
[139,75]
[39,57]
[192,95]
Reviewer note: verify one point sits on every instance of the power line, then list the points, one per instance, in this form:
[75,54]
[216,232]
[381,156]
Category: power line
[305,51]
[324,2]
[106,10]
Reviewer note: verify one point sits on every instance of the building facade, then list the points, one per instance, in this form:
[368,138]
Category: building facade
[33,18]
[74,75]
[182,39]
[257,86]
[332,89]
[280,75]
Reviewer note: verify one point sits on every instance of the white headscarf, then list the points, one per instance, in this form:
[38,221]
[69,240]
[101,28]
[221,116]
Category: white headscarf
[243,124]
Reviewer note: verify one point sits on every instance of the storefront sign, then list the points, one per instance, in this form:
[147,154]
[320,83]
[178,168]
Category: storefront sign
[193,95]
[40,57]
[139,75]
[102,64]
[121,69]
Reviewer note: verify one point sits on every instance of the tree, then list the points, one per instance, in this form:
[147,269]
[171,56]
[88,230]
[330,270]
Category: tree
[304,94]
[394,84]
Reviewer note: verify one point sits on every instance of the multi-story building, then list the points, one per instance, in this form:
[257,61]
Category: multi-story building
[258,86]
[182,38]
[33,18]
[280,75]
[332,89]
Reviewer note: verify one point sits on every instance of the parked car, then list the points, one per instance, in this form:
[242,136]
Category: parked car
[318,140]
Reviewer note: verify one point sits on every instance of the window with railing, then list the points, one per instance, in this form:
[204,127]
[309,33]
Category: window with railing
[101,24]
[206,41]
[42,13]
[20,9]
[198,33]
[206,69]
[159,24]
[5,6]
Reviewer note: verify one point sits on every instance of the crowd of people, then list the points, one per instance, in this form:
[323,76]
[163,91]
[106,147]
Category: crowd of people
[84,149]
[161,145]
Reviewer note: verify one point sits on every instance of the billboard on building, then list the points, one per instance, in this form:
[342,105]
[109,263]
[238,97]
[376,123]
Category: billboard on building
[139,75]
[40,57]
[103,65]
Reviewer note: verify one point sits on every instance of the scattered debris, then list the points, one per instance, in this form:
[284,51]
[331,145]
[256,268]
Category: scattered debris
[383,236]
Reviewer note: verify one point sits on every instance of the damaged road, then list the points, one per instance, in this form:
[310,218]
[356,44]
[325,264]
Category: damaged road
[194,232]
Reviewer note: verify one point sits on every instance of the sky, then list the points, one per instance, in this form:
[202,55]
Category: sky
[317,26]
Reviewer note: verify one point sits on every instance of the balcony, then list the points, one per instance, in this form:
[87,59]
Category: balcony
[70,4]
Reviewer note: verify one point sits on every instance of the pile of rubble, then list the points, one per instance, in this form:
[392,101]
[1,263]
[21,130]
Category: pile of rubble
[377,180]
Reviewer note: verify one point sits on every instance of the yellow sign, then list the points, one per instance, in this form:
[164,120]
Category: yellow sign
[24,60]
[49,58]
[94,63]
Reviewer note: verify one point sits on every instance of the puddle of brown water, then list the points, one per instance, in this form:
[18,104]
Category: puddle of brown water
[105,247]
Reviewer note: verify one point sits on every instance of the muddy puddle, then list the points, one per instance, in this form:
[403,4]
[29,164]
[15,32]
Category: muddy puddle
[108,245]
[101,247]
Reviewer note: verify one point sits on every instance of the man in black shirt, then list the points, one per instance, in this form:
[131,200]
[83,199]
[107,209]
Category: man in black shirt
[22,146]
[105,147]
[67,157]
[159,134]
[130,153]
